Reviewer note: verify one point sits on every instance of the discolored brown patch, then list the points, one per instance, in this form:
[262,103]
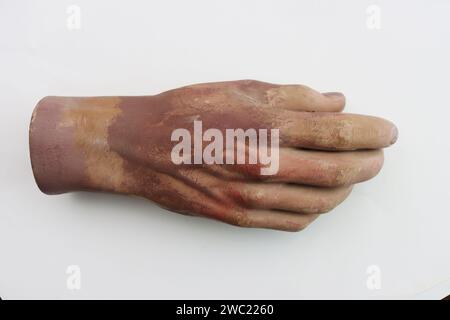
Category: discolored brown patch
[90,119]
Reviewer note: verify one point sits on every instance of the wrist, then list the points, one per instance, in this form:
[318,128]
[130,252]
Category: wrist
[68,144]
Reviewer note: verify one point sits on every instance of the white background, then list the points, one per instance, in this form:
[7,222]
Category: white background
[129,248]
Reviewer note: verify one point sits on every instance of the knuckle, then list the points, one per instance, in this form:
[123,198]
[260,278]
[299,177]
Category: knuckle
[323,205]
[239,195]
[341,174]
[248,82]
[343,134]
[241,219]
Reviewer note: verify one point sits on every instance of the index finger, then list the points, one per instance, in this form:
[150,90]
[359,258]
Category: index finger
[336,131]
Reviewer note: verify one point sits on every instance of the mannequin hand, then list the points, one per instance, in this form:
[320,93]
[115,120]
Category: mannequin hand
[126,145]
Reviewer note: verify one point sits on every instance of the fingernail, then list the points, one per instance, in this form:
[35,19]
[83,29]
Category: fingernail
[333,95]
[394,134]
